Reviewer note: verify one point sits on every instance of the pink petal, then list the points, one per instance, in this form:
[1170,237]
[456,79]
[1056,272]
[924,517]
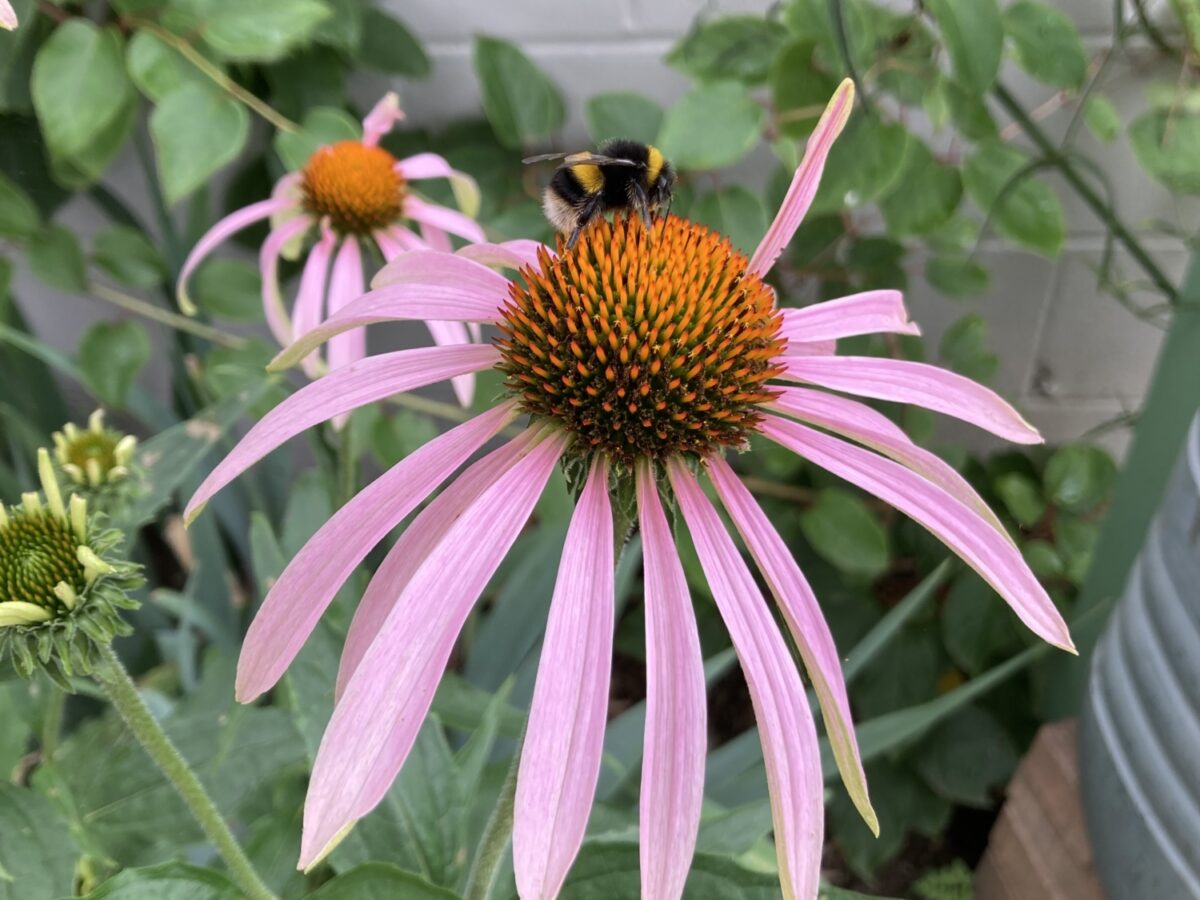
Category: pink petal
[507,254]
[417,541]
[268,268]
[424,165]
[8,18]
[304,591]
[786,728]
[435,238]
[918,383]
[310,299]
[381,118]
[859,422]
[377,720]
[396,240]
[986,551]
[870,312]
[445,290]
[807,624]
[356,385]
[218,234]
[450,220]
[564,740]
[446,334]
[432,267]
[804,183]
[810,348]
[345,286]
[676,729]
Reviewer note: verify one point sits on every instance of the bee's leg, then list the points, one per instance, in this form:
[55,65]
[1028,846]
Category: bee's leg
[590,209]
[639,201]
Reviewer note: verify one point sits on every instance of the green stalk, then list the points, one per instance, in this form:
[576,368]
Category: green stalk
[1167,412]
[1089,196]
[496,834]
[123,695]
[347,466]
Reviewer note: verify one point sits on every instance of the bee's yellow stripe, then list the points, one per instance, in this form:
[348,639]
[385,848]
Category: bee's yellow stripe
[654,163]
[589,177]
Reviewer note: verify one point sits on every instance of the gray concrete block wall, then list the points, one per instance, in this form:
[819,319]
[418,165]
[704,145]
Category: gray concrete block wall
[1071,356]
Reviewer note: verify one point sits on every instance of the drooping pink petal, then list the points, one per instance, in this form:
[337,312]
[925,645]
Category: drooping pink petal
[870,312]
[859,422]
[449,220]
[377,720]
[356,385]
[289,188]
[424,165]
[804,183]
[396,240]
[435,298]
[446,334]
[676,734]
[432,267]
[411,548]
[917,383]
[8,18]
[786,728]
[996,560]
[310,299]
[807,624]
[435,238]
[345,286]
[564,740]
[506,254]
[381,118]
[274,311]
[218,234]
[307,586]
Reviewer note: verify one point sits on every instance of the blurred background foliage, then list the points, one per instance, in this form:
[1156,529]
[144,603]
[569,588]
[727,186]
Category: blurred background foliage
[216,99]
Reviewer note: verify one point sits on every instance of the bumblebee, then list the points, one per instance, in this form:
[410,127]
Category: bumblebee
[621,174]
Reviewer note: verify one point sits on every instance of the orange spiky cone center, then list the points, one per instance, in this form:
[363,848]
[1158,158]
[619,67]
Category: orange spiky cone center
[357,187]
[643,344]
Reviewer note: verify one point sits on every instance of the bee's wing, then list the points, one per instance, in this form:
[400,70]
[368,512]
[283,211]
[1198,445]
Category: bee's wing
[585,158]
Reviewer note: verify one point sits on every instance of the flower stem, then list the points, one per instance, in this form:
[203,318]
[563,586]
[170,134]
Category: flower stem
[496,834]
[164,316]
[223,81]
[347,465]
[1089,196]
[123,695]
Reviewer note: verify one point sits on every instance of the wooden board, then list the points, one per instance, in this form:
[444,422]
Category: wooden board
[1039,848]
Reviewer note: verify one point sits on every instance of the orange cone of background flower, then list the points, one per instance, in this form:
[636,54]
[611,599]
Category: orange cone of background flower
[647,356]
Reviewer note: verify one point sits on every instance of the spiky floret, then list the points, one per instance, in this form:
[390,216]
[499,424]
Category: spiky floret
[643,344]
[95,455]
[356,186]
[60,591]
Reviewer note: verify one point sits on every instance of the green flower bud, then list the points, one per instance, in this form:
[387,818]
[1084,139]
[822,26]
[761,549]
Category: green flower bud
[60,591]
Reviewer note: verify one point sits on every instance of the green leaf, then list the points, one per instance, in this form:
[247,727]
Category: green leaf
[966,757]
[321,126]
[871,156]
[343,30]
[1102,118]
[974,36]
[380,881]
[388,46]
[18,215]
[155,68]
[734,211]
[87,166]
[956,276]
[925,194]
[1079,476]
[623,114]
[1047,44]
[714,125]
[111,354]
[1167,144]
[37,851]
[1000,182]
[57,259]
[905,673]
[229,288]
[1043,559]
[127,255]
[968,111]
[799,90]
[1076,541]
[519,99]
[1021,497]
[14,738]
[843,530]
[196,131]
[978,628]
[79,85]
[737,47]
[964,346]
[168,881]
[262,31]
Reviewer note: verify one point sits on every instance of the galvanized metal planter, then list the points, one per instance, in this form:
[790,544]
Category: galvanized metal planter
[1140,740]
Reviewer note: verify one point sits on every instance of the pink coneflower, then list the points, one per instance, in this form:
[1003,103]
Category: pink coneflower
[640,357]
[352,194]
